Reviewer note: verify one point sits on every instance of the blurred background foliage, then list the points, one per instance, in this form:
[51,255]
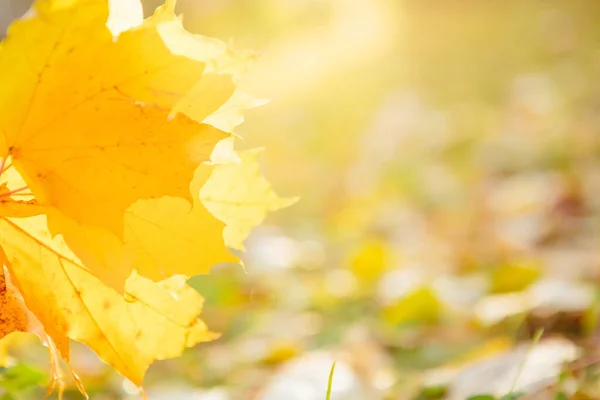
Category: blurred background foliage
[447,158]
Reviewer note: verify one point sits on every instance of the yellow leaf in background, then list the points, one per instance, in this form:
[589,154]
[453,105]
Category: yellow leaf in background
[281,351]
[238,195]
[514,277]
[5,343]
[370,260]
[420,306]
[150,321]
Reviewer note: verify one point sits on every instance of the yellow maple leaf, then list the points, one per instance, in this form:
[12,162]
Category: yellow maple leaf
[129,331]
[89,121]
[107,138]
[240,196]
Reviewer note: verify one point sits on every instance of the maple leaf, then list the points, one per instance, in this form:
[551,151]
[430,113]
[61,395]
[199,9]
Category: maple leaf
[112,127]
[88,120]
[91,139]
[127,331]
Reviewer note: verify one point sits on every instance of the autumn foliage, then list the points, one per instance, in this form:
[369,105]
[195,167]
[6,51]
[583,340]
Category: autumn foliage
[118,178]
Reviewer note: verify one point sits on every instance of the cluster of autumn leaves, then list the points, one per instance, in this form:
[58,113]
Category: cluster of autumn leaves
[118,178]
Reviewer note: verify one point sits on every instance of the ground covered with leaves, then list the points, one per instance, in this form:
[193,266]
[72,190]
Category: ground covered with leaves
[445,244]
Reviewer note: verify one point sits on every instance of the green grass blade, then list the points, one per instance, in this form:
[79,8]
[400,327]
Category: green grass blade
[536,338]
[330,382]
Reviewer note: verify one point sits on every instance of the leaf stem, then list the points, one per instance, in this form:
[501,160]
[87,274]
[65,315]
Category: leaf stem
[9,193]
[2,163]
